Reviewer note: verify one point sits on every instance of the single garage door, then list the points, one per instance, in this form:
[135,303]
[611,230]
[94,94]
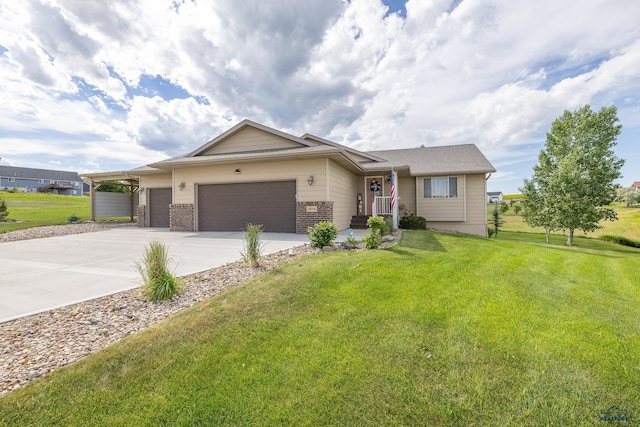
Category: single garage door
[159,201]
[230,207]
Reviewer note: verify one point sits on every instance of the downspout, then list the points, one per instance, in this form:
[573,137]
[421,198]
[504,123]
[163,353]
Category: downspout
[464,184]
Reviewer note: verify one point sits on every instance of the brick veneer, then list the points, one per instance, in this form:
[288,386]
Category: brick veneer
[181,217]
[306,219]
[142,219]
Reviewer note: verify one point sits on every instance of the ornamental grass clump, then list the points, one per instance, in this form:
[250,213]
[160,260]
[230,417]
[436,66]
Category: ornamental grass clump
[252,245]
[158,282]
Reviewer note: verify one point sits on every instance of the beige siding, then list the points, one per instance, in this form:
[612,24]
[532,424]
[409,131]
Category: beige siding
[464,214]
[299,170]
[476,200]
[154,181]
[251,139]
[440,209]
[343,187]
[406,196]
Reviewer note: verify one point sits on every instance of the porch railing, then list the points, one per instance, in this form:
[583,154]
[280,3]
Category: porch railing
[381,205]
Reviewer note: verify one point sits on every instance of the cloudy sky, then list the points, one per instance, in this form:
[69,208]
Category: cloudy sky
[92,85]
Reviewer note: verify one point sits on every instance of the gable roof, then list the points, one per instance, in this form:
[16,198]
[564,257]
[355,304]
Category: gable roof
[442,160]
[241,126]
[30,173]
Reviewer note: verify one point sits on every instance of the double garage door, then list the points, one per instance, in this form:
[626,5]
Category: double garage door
[230,207]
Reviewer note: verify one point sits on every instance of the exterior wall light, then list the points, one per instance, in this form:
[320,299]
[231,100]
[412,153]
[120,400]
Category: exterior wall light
[310,179]
[181,186]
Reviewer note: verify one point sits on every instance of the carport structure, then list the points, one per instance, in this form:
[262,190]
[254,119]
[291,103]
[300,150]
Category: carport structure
[108,204]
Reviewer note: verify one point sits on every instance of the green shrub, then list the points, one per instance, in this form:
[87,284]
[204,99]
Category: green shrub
[517,209]
[490,232]
[322,234]
[504,207]
[3,210]
[252,244]
[377,223]
[372,240]
[158,282]
[621,241]
[352,240]
[73,218]
[413,222]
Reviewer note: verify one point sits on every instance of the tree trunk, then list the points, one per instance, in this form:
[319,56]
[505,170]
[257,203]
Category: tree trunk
[547,231]
[570,239]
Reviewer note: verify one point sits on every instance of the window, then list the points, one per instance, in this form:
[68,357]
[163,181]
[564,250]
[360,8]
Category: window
[12,180]
[41,181]
[441,188]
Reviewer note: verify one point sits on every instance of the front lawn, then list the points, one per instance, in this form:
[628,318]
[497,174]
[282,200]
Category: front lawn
[438,330]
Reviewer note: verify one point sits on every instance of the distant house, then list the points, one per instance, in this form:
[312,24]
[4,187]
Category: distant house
[494,196]
[27,180]
[636,185]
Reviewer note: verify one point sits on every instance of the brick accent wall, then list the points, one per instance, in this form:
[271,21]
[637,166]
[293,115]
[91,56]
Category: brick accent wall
[142,218]
[306,217]
[181,217]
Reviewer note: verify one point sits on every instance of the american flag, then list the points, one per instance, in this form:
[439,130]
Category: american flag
[394,195]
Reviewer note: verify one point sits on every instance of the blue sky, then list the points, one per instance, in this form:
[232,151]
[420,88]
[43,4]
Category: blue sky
[101,86]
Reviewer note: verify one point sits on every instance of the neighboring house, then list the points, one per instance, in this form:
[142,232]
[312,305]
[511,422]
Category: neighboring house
[41,180]
[255,174]
[494,196]
[636,185]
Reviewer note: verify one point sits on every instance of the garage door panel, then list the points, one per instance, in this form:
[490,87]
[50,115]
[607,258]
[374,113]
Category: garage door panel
[159,201]
[230,207]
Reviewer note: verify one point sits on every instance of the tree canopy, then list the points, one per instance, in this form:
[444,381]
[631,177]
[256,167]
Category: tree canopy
[573,182]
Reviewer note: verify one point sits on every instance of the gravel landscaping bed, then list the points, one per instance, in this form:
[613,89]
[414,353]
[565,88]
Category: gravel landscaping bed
[34,346]
[60,230]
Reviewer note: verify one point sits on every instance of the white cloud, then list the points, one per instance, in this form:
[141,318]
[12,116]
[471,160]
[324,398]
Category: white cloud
[491,72]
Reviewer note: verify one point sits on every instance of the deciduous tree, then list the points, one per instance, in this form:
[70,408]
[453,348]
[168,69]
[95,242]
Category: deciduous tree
[573,182]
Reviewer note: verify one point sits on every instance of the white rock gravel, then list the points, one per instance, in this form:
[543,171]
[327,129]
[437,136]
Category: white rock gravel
[34,346]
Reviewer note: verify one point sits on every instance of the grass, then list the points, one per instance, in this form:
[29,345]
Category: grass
[27,210]
[627,225]
[438,330]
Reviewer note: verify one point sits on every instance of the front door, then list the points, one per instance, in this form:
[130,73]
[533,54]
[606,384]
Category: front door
[374,187]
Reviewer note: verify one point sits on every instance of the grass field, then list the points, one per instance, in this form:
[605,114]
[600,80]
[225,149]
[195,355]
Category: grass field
[27,210]
[438,330]
[627,225]
[38,209]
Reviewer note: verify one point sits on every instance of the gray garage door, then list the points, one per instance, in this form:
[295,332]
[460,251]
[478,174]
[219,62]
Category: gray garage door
[159,201]
[230,207]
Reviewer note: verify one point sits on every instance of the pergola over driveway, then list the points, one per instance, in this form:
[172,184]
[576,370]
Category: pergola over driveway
[105,204]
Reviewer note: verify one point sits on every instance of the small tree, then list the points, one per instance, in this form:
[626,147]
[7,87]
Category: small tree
[496,220]
[628,195]
[517,208]
[504,208]
[535,212]
[3,210]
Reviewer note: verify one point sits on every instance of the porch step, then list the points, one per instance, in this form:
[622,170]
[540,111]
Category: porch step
[359,222]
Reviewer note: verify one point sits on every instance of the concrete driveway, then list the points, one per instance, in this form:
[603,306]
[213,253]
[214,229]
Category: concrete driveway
[41,274]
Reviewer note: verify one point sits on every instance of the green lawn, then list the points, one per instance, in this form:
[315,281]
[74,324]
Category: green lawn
[627,225]
[438,330]
[38,209]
